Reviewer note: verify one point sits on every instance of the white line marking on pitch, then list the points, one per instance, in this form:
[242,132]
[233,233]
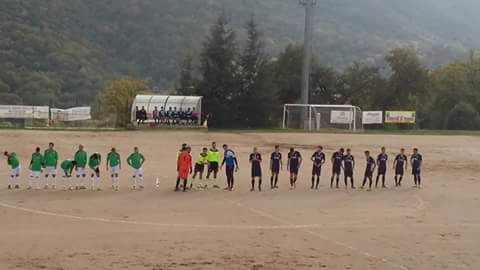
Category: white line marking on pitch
[338,243]
[174,225]
[349,225]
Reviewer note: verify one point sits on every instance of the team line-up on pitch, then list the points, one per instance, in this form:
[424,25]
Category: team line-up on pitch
[44,167]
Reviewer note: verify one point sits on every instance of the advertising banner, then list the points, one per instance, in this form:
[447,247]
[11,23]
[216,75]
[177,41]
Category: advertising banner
[372,117]
[341,117]
[23,112]
[400,117]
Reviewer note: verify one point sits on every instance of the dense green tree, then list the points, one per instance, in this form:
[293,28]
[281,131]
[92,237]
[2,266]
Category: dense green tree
[186,82]
[407,85]
[288,74]
[256,100]
[116,100]
[463,116]
[358,85]
[220,82]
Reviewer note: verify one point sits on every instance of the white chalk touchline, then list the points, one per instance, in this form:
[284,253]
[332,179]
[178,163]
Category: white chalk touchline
[349,225]
[338,243]
[171,225]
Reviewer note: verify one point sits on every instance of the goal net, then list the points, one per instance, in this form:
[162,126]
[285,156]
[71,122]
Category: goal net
[318,117]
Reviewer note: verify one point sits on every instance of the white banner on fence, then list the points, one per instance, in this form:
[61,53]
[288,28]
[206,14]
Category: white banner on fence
[41,112]
[77,114]
[372,117]
[341,117]
[23,112]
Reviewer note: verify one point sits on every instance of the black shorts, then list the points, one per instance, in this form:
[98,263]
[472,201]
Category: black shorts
[294,169]
[416,171]
[229,171]
[348,173]
[368,173]
[256,171]
[213,167]
[316,170]
[399,171]
[275,169]
[336,169]
[199,167]
[382,170]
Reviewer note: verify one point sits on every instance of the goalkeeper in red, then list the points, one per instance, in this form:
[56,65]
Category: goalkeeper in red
[184,165]
[136,160]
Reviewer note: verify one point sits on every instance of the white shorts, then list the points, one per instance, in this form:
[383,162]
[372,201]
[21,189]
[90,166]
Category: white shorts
[50,171]
[79,172]
[115,169]
[92,171]
[138,172]
[64,173]
[15,172]
[35,174]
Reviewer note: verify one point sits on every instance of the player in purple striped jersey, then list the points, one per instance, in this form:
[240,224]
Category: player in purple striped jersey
[400,164]
[318,159]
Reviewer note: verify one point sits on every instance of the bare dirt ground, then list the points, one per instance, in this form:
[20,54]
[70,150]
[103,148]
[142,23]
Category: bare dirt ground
[437,227]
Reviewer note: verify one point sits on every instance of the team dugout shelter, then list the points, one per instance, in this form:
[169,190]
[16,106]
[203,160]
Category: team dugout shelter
[166,104]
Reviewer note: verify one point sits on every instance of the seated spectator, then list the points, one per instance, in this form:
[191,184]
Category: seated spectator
[143,115]
[181,117]
[163,115]
[194,116]
[138,115]
[169,116]
[175,115]
[188,116]
[156,116]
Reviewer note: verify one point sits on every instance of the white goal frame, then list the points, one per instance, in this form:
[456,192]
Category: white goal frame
[356,112]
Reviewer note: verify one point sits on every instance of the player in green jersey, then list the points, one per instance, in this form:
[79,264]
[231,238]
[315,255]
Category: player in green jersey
[14,163]
[67,167]
[114,164]
[136,160]
[50,157]
[200,163]
[81,162]
[94,165]
[35,167]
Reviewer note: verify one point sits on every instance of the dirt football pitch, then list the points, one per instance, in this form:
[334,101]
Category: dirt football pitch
[437,227]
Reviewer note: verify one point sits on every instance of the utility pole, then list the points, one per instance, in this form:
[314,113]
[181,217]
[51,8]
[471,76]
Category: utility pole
[307,52]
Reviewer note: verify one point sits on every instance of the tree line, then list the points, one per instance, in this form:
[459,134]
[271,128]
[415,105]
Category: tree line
[243,86]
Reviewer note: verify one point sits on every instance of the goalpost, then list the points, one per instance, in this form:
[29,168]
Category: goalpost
[319,117]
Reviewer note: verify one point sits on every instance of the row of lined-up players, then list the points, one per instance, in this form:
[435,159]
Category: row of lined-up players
[341,161]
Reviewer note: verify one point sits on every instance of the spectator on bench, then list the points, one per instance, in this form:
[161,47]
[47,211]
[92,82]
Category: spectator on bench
[138,115]
[156,116]
[143,115]
[163,115]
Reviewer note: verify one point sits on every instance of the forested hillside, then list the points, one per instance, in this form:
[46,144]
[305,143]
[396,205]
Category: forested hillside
[63,51]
